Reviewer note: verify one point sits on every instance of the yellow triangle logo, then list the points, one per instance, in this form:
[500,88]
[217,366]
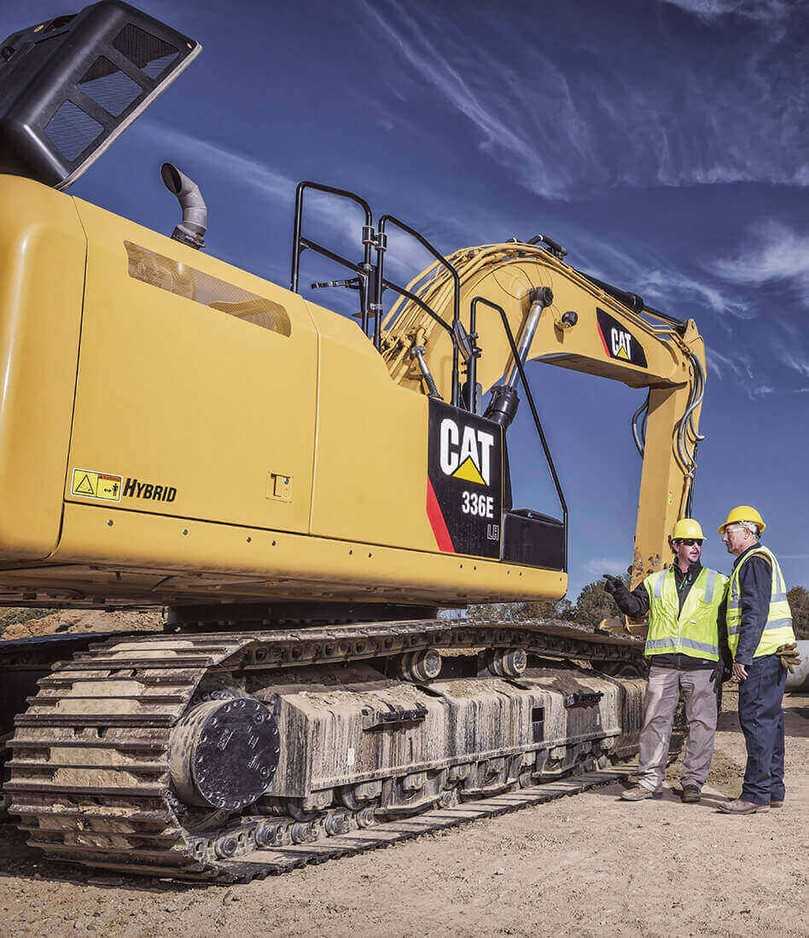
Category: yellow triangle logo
[85,486]
[622,353]
[469,472]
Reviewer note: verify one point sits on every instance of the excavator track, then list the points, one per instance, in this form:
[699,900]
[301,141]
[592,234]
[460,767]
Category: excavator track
[94,759]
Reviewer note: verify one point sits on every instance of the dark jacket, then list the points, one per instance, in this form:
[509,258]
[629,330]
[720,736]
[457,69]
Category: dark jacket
[755,588]
[636,605]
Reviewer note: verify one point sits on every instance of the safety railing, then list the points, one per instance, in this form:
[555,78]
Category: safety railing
[370,277]
[471,383]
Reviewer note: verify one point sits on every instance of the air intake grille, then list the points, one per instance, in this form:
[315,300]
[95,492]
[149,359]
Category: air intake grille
[108,86]
[69,86]
[149,53]
[72,131]
[167,274]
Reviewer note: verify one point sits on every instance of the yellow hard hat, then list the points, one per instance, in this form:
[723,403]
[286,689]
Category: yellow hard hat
[743,513]
[687,528]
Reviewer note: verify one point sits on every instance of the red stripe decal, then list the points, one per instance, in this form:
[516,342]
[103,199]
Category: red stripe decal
[439,526]
[603,341]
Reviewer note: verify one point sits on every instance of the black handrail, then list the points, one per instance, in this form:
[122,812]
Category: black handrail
[389,285]
[372,281]
[300,244]
[382,284]
[481,300]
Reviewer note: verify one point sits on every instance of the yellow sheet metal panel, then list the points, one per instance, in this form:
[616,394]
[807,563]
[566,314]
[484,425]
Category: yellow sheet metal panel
[216,561]
[196,387]
[42,256]
[371,456]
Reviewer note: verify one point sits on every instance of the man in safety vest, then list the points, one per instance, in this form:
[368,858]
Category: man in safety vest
[759,626]
[684,605]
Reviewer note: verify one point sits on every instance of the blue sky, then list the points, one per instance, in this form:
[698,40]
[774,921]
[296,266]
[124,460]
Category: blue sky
[664,142]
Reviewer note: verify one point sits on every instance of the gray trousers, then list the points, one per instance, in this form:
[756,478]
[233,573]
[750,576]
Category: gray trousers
[662,697]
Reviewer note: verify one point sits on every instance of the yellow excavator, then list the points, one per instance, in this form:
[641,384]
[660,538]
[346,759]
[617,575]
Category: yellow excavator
[304,491]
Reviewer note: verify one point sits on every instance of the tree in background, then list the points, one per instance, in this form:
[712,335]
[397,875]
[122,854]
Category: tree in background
[798,598]
[520,612]
[594,604]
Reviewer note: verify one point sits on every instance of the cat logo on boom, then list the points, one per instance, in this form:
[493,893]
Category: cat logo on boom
[621,344]
[618,341]
[465,452]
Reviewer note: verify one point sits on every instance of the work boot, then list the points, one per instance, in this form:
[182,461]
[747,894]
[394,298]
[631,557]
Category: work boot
[639,793]
[776,804]
[690,794]
[743,807]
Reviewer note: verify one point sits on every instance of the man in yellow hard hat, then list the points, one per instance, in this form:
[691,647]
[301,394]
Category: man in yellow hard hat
[684,604]
[759,624]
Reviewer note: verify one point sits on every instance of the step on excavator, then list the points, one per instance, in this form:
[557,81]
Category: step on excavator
[304,491]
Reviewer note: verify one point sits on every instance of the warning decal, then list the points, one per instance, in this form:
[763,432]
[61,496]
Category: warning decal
[90,484]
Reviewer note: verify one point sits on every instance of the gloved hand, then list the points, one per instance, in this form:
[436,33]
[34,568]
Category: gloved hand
[789,655]
[613,584]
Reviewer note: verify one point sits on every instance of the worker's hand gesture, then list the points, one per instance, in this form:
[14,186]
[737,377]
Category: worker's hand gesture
[739,673]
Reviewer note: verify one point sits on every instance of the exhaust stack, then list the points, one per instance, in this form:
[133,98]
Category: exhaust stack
[192,228]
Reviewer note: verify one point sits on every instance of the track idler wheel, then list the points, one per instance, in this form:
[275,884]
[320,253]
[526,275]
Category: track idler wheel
[224,753]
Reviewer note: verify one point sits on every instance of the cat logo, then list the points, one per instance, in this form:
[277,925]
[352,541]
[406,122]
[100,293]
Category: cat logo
[618,342]
[621,344]
[465,453]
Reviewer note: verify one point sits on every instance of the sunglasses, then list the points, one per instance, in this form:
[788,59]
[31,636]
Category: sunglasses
[689,541]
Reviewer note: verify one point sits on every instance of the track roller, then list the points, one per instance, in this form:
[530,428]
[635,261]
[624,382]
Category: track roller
[421,667]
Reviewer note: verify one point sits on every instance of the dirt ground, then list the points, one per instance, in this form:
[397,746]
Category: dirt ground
[588,865]
[30,623]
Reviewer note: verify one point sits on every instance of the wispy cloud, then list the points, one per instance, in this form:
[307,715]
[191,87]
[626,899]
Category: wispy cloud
[740,369]
[773,254]
[793,357]
[668,284]
[194,150]
[505,128]
[762,10]
[739,366]
[598,566]
[563,132]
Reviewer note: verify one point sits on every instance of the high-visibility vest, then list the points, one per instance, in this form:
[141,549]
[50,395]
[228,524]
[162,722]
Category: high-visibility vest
[778,628]
[692,631]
